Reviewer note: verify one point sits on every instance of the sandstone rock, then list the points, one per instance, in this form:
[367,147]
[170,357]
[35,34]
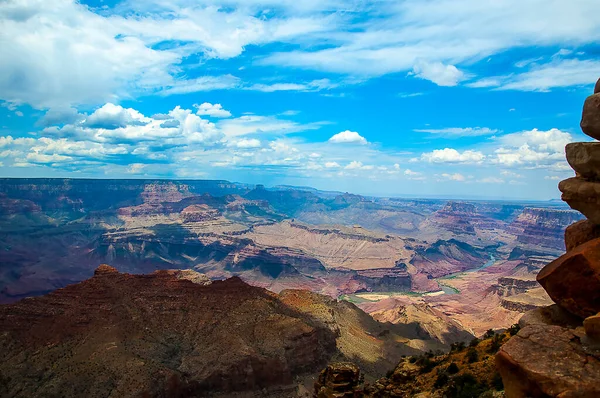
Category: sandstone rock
[592,327]
[573,280]
[550,315]
[338,380]
[579,233]
[548,361]
[583,196]
[105,269]
[584,158]
[590,119]
[193,276]
[597,88]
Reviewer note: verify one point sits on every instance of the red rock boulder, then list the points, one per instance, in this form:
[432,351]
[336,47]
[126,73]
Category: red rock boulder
[573,280]
[548,361]
[579,233]
[583,196]
[590,119]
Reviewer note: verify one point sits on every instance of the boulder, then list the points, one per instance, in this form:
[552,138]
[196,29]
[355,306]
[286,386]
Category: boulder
[583,196]
[105,269]
[592,327]
[584,158]
[548,361]
[579,233]
[550,315]
[573,280]
[339,380]
[590,119]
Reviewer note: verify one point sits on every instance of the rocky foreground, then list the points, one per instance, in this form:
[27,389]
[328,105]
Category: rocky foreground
[174,333]
[557,351]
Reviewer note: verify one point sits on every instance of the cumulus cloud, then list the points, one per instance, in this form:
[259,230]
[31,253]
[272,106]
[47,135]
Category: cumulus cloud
[247,143]
[348,137]
[355,165]
[532,148]
[332,165]
[438,73]
[450,155]
[214,110]
[112,117]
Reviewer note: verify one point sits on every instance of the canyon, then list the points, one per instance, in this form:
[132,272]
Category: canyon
[375,278]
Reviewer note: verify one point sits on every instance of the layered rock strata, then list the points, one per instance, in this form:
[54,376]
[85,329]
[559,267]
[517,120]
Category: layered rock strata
[557,351]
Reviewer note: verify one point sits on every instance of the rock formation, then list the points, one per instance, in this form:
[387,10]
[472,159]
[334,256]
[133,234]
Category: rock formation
[339,380]
[126,335]
[557,351]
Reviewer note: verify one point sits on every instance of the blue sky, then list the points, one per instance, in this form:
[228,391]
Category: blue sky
[458,98]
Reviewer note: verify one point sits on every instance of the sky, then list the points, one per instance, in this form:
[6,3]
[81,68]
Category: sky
[454,98]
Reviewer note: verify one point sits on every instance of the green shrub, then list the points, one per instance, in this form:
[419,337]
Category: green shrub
[442,380]
[452,368]
[514,329]
[472,355]
[489,334]
[475,342]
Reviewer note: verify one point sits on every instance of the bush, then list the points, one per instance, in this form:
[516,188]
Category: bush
[475,342]
[489,334]
[452,368]
[465,386]
[514,329]
[472,355]
[457,347]
[442,380]
[497,383]
[496,343]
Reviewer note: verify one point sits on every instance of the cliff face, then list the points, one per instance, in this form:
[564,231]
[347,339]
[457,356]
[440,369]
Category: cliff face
[544,227]
[123,335]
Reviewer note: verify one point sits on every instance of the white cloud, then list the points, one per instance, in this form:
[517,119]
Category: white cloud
[544,77]
[453,177]
[348,137]
[136,168]
[511,174]
[312,86]
[553,178]
[355,165]
[332,165]
[532,148]
[112,117]
[450,155]
[438,73]
[491,180]
[248,143]
[208,109]
[456,132]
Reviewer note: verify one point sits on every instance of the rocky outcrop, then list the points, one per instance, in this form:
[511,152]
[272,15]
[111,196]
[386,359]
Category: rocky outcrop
[590,119]
[544,227]
[573,280]
[548,361]
[582,195]
[339,380]
[584,158]
[557,352]
[512,285]
[385,279]
[579,233]
[156,335]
